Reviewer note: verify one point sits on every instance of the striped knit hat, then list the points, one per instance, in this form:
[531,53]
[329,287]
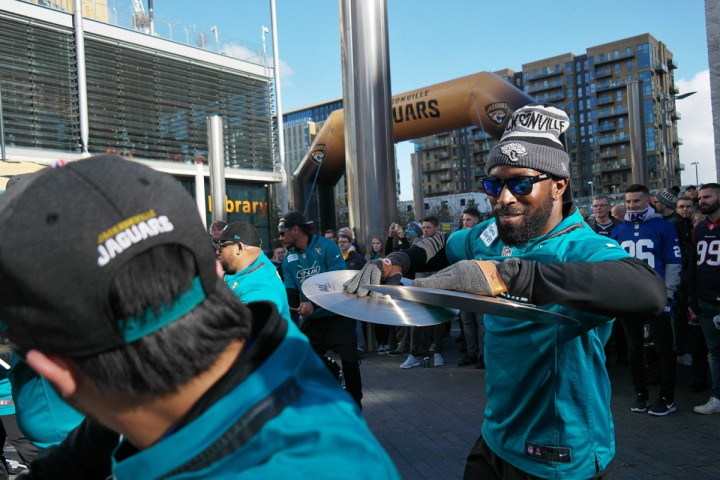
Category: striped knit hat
[532,140]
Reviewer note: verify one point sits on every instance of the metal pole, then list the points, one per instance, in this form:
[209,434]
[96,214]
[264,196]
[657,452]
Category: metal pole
[81,78]
[2,128]
[592,189]
[663,110]
[369,152]
[697,182]
[151,13]
[200,190]
[216,162]
[283,193]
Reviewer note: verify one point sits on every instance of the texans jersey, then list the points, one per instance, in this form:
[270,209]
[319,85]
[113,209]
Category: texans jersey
[654,241]
[322,255]
[706,238]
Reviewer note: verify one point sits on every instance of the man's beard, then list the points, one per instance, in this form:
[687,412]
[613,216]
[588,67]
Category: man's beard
[710,209]
[529,228]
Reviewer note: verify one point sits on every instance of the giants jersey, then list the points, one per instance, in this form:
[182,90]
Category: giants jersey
[322,255]
[654,241]
[706,238]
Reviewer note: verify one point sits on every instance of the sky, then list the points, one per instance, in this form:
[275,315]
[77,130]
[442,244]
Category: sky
[434,41]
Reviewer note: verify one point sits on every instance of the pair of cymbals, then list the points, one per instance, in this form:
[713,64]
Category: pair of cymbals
[405,305]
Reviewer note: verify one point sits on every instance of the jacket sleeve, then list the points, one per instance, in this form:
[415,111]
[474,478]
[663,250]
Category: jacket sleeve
[611,287]
[83,455]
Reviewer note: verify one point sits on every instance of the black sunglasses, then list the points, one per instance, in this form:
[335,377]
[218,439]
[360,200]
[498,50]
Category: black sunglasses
[219,246]
[517,185]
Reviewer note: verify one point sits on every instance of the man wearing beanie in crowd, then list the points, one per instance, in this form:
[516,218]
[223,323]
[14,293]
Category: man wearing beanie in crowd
[665,203]
[548,393]
[129,320]
[309,254]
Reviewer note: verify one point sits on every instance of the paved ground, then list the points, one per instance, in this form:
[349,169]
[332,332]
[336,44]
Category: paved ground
[429,418]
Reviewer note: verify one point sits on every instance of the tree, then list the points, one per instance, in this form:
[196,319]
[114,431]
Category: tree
[403,217]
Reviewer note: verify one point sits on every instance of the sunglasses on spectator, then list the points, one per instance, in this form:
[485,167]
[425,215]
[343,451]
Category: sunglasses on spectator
[521,185]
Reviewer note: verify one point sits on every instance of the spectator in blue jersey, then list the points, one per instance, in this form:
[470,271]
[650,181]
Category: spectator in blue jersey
[650,238]
[249,273]
[706,285]
[309,254]
[132,324]
[548,393]
[602,223]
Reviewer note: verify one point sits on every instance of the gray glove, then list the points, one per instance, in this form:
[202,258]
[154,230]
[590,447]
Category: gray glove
[473,276]
[390,269]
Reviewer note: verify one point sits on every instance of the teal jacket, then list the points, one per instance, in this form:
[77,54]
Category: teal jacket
[42,416]
[260,281]
[283,416]
[548,410]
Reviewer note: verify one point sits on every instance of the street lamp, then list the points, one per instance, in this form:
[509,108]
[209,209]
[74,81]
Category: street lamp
[697,183]
[592,189]
[664,97]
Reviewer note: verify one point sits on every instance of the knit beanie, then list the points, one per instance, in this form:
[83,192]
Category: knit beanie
[532,140]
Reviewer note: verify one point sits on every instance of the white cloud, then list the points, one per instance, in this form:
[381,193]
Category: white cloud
[242,52]
[696,129]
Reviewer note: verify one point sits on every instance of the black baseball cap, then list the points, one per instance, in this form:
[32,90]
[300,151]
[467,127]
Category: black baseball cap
[292,219]
[65,235]
[241,232]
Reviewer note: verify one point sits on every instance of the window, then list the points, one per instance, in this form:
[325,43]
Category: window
[650,144]
[617,69]
[621,122]
[601,57]
[649,110]
[644,56]
[568,79]
[619,95]
[570,92]
[646,78]
[568,66]
[628,51]
[616,54]
[629,66]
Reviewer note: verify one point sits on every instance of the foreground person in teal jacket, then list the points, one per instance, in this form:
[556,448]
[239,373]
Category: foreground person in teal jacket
[548,393]
[132,325]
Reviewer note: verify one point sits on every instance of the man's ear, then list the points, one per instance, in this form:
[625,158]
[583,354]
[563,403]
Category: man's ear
[60,371]
[560,185]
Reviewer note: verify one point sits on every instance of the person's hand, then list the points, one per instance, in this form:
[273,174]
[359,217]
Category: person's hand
[390,269]
[669,306]
[393,229]
[400,233]
[305,309]
[473,276]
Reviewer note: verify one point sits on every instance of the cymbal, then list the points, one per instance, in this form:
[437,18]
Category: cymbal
[470,302]
[326,290]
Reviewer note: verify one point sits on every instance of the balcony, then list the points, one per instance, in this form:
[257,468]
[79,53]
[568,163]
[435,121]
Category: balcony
[614,59]
[661,68]
[607,127]
[672,64]
[602,73]
[545,75]
[608,153]
[614,139]
[677,141]
[680,167]
[436,168]
[553,98]
[609,86]
[675,115]
[605,101]
[549,86]
[612,112]
[618,166]
[674,90]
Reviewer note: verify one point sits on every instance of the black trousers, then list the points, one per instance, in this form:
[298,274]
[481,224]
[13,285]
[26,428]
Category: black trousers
[484,464]
[661,334]
[337,333]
